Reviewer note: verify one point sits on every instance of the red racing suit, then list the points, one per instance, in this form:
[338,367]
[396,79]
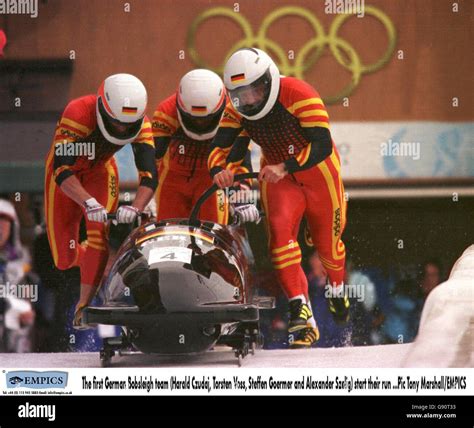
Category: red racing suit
[295,132]
[182,167]
[77,131]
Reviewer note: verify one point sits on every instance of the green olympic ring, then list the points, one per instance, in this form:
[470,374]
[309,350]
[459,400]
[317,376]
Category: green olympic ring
[303,61]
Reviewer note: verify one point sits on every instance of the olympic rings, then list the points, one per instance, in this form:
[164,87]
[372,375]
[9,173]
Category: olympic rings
[309,53]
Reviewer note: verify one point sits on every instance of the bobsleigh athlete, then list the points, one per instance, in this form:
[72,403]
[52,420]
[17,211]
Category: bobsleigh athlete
[184,125]
[299,176]
[78,185]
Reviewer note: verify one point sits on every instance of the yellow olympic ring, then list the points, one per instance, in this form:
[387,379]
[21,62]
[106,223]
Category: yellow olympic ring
[261,41]
[303,61]
[210,13]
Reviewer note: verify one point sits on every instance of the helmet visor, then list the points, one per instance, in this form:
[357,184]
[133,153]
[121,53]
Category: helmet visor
[116,128]
[250,99]
[201,125]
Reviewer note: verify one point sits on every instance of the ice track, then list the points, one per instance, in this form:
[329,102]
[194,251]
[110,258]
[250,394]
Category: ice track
[445,339]
[368,356]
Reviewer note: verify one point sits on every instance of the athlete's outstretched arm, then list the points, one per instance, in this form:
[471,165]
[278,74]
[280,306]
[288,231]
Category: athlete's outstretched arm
[73,188]
[72,126]
[319,148]
[229,129]
[238,159]
[146,166]
[220,148]
[309,109]
[161,146]
[142,198]
[65,178]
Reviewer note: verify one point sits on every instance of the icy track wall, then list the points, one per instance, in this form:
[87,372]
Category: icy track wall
[445,336]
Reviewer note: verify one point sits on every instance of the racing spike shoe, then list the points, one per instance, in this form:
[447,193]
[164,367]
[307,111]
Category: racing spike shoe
[299,315]
[77,322]
[304,338]
[339,307]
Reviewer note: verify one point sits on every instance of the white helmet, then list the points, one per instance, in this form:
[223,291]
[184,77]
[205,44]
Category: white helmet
[253,82]
[121,104]
[200,101]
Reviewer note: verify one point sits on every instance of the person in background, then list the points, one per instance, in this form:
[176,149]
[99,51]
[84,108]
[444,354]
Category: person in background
[408,297]
[430,277]
[16,313]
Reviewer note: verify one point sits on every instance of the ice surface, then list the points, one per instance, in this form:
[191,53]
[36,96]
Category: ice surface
[445,339]
[361,356]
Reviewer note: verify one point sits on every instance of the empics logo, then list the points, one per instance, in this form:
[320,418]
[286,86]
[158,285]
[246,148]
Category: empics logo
[44,411]
[15,380]
[36,380]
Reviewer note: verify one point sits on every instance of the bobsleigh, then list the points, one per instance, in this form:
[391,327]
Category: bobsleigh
[181,286]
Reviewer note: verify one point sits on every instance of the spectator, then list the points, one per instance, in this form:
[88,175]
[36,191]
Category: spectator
[401,323]
[430,277]
[16,311]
